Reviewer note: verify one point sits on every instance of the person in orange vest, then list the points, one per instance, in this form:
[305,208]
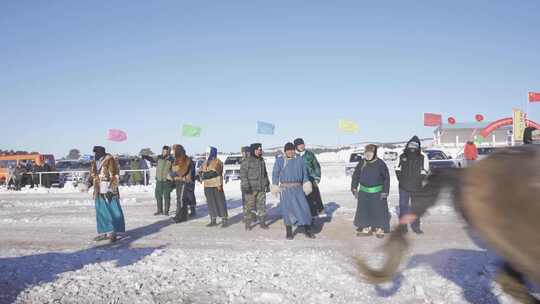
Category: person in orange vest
[470,153]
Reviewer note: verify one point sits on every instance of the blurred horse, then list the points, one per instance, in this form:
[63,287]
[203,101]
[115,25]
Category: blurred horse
[499,197]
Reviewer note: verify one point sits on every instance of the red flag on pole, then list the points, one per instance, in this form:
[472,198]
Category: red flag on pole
[116,135]
[534,97]
[432,120]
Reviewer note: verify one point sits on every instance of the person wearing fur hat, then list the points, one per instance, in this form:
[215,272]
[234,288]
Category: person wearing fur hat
[181,174]
[290,181]
[314,171]
[370,186]
[411,171]
[255,185]
[104,176]
[211,173]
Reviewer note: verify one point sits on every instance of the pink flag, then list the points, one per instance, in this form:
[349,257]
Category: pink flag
[117,135]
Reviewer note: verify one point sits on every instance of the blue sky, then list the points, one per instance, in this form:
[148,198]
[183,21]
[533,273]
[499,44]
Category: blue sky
[73,69]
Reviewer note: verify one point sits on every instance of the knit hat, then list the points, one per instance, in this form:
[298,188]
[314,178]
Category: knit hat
[298,142]
[288,146]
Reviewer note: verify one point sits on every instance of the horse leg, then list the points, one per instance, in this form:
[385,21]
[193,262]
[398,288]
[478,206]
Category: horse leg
[513,283]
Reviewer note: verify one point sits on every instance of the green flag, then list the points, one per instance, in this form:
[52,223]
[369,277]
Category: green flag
[191,131]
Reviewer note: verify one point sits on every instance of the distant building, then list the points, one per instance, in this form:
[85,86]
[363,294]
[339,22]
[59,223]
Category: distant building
[458,134]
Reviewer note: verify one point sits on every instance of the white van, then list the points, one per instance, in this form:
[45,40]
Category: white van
[354,159]
[231,167]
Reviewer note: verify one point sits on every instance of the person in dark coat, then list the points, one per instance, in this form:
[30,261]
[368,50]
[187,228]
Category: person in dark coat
[181,173]
[411,171]
[255,184]
[528,135]
[18,173]
[190,200]
[35,174]
[371,185]
[246,152]
[46,178]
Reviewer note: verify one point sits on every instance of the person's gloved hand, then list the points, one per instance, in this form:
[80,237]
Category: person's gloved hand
[384,196]
[354,193]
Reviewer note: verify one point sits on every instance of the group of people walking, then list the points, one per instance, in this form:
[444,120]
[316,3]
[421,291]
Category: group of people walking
[294,180]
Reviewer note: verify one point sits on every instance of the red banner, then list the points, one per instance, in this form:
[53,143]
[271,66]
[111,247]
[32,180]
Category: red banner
[534,97]
[432,120]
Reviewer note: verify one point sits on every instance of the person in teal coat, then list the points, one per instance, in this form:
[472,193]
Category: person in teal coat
[314,172]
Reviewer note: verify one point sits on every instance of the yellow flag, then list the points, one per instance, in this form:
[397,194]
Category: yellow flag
[348,126]
[519,124]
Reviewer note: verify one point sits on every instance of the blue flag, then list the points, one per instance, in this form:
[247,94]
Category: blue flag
[265,128]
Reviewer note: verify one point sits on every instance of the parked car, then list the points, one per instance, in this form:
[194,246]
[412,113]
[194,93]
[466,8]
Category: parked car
[354,159]
[231,167]
[71,171]
[198,163]
[483,152]
[390,156]
[438,159]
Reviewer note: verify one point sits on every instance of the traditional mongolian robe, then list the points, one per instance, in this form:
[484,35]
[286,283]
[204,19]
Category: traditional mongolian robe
[371,180]
[212,176]
[109,215]
[290,175]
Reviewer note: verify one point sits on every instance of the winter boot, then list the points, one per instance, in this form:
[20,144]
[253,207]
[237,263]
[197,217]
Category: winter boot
[192,211]
[158,213]
[101,237]
[379,233]
[112,237]
[212,223]
[289,233]
[365,232]
[166,209]
[224,223]
[416,229]
[183,214]
[247,225]
[262,221]
[308,233]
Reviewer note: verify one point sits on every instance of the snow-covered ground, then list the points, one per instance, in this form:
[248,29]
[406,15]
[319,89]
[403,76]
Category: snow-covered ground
[47,256]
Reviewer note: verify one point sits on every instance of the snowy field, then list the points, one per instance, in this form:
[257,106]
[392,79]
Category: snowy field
[47,256]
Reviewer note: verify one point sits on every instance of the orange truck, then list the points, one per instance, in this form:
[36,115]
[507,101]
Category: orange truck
[7,161]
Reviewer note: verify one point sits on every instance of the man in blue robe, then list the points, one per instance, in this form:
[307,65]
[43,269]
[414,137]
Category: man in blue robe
[290,180]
